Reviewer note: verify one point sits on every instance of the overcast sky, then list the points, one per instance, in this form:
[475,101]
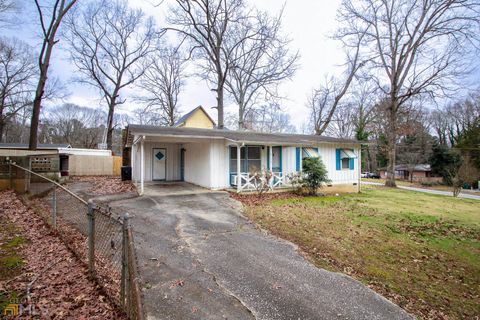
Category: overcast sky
[308,23]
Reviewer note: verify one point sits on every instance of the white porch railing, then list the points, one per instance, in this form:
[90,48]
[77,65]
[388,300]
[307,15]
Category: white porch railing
[279,180]
[248,181]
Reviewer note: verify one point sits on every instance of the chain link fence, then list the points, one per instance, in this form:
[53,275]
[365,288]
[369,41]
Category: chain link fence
[99,236]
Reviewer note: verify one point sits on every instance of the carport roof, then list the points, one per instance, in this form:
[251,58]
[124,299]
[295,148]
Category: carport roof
[234,136]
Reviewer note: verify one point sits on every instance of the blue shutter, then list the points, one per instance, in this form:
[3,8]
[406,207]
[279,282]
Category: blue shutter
[316,150]
[338,160]
[281,169]
[297,156]
[352,163]
[268,158]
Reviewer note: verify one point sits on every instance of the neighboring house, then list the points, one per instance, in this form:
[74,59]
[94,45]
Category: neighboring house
[71,161]
[420,173]
[223,159]
[197,118]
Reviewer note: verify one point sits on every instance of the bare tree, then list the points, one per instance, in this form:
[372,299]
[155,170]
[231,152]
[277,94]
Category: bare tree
[260,61]
[78,126]
[109,43]
[17,68]
[207,24]
[6,5]
[49,26]
[271,118]
[415,146]
[416,46]
[162,83]
[324,101]
[342,124]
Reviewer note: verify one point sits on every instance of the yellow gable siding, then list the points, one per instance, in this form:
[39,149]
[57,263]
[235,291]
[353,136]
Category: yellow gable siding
[198,120]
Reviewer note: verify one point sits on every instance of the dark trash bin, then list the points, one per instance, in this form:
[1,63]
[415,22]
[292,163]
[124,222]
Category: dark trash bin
[126,173]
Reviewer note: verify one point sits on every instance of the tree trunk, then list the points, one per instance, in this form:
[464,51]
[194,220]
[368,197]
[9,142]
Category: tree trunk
[391,150]
[37,102]
[111,110]
[2,123]
[220,104]
[241,115]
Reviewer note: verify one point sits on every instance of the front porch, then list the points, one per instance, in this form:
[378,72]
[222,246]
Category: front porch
[250,164]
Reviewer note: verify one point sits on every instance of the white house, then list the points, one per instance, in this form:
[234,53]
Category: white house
[223,159]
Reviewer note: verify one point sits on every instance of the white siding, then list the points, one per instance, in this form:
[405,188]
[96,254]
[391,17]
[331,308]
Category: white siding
[172,160]
[219,162]
[328,155]
[197,163]
[289,161]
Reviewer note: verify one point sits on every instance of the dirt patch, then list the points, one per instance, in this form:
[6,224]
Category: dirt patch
[51,281]
[103,185]
[261,199]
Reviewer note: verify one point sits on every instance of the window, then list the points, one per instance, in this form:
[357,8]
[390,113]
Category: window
[345,159]
[250,159]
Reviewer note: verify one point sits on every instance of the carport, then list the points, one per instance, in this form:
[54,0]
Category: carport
[160,159]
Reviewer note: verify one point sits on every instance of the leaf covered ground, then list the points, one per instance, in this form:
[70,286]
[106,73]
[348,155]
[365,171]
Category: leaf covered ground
[421,251]
[40,272]
[104,185]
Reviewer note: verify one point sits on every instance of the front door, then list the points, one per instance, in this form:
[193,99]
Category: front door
[277,159]
[159,164]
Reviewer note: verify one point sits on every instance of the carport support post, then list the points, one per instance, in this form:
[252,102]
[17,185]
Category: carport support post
[239,171]
[270,166]
[142,165]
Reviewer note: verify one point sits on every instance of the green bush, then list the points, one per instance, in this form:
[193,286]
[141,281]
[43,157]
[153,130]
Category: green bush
[315,174]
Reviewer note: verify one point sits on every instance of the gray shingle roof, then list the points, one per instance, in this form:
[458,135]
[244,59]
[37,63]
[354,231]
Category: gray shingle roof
[418,167]
[43,146]
[236,136]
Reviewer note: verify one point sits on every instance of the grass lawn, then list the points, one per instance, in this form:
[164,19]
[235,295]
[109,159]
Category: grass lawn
[404,183]
[421,251]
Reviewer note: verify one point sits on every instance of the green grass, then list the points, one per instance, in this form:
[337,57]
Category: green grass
[420,250]
[11,262]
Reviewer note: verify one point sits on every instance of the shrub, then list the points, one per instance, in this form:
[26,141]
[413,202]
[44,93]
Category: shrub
[314,174]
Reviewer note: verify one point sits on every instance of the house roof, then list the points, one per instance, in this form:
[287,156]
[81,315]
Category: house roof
[41,146]
[419,167]
[235,136]
[187,115]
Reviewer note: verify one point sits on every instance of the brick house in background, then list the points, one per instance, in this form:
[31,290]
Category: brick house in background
[420,173]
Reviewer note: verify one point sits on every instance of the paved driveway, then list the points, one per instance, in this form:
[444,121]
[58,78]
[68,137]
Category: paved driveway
[200,258]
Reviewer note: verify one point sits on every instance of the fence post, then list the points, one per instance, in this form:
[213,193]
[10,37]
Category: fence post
[91,238]
[54,207]
[125,282]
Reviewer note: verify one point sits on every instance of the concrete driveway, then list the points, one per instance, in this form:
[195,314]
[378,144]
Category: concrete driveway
[199,258]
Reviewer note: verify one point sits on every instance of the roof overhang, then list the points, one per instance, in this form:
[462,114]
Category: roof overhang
[182,134]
